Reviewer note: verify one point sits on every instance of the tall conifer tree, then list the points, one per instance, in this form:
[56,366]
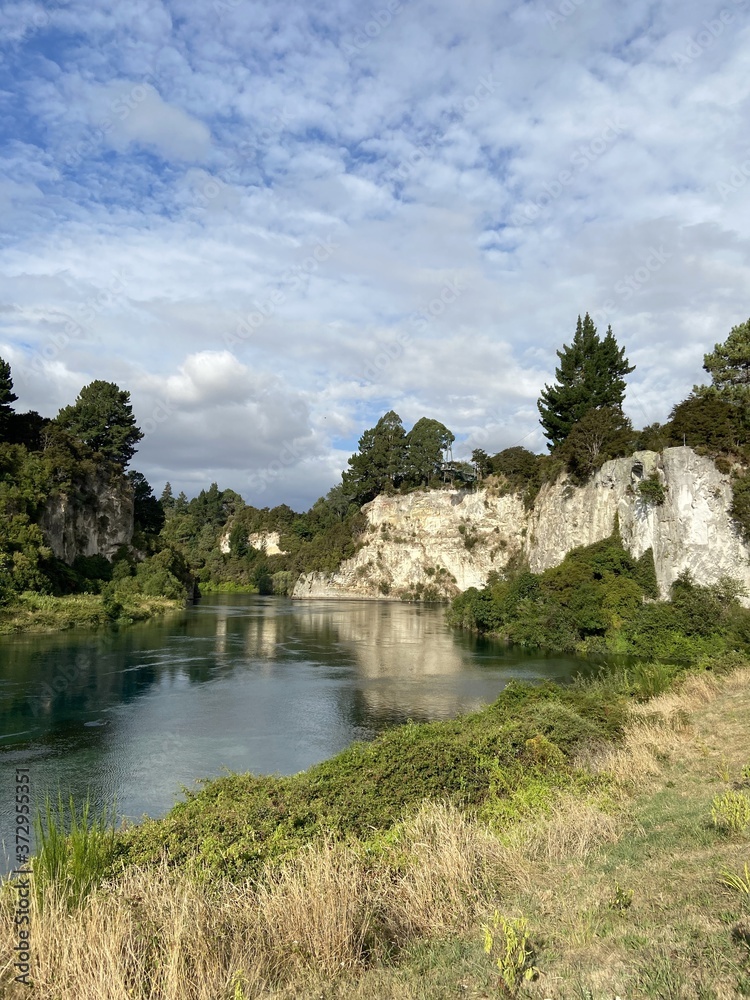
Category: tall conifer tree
[7,398]
[590,376]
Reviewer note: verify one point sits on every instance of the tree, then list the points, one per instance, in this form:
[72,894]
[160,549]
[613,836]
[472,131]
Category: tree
[147,511]
[705,420]
[102,418]
[482,462]
[238,543]
[7,398]
[590,376]
[378,465]
[600,435]
[167,499]
[426,444]
[729,366]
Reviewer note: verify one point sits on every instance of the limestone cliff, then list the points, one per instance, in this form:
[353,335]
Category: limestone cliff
[441,542]
[94,519]
[264,541]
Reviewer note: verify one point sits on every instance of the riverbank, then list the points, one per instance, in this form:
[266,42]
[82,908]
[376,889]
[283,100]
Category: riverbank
[584,811]
[32,612]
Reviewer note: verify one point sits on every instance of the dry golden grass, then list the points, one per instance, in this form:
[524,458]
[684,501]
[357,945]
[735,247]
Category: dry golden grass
[327,911]
[574,828]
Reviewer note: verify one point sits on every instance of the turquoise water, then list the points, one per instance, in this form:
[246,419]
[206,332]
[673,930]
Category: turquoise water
[240,683]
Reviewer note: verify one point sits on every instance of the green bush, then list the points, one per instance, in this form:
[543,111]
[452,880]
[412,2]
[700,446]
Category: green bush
[652,491]
[239,822]
[596,601]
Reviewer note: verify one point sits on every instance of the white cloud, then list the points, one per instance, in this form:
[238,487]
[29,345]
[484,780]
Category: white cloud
[473,145]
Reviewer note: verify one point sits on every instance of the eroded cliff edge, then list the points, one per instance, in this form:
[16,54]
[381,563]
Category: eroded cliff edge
[94,519]
[438,543]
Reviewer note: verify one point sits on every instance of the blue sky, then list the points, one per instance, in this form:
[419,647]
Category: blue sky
[271,222]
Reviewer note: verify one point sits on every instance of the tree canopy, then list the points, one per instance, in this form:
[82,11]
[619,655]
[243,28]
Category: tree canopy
[590,376]
[378,465]
[7,398]
[729,366]
[426,444]
[389,459]
[102,418]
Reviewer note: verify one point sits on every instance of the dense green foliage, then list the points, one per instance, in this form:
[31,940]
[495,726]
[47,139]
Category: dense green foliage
[45,461]
[389,459]
[599,435]
[480,761]
[102,418]
[599,599]
[317,540]
[729,367]
[590,376]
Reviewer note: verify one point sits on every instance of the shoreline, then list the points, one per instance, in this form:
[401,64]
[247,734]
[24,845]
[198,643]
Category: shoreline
[42,614]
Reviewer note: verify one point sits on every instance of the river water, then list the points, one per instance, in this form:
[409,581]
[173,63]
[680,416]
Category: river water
[239,683]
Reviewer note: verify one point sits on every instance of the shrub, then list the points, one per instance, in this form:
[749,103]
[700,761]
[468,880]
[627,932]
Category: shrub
[651,490]
[506,941]
[730,812]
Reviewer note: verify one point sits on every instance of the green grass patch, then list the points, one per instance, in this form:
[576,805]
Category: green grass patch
[32,612]
[75,848]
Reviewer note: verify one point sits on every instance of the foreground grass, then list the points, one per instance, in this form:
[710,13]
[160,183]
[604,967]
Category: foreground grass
[41,613]
[617,867]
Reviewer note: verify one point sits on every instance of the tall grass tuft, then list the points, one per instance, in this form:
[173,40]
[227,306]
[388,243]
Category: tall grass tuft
[74,849]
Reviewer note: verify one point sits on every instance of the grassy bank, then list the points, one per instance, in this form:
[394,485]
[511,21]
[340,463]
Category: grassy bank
[32,612]
[585,812]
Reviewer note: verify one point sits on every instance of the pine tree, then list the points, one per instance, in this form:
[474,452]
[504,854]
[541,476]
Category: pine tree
[7,398]
[167,498]
[102,418]
[729,366]
[590,376]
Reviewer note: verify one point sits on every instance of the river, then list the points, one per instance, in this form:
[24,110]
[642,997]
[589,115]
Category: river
[239,683]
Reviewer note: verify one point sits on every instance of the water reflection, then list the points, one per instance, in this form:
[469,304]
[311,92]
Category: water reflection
[245,683]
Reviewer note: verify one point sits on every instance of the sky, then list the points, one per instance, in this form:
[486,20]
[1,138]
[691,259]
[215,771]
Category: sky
[271,222]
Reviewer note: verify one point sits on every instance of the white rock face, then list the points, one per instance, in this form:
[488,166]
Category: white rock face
[96,525]
[451,540]
[264,541]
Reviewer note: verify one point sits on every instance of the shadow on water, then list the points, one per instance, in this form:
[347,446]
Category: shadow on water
[238,682]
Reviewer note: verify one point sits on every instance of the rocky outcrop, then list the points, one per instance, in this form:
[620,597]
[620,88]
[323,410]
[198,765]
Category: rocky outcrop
[439,543]
[95,519]
[264,541]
